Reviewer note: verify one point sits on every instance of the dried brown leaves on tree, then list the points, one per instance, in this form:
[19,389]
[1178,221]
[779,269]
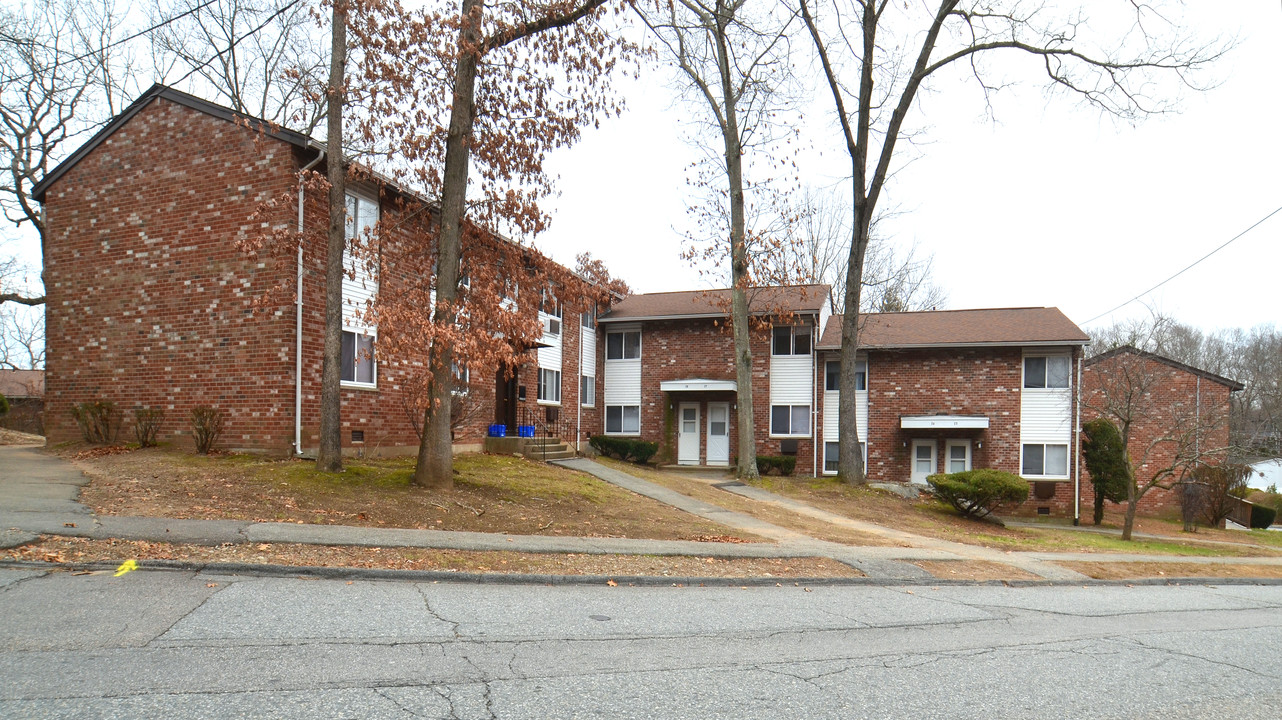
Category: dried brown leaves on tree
[464,102]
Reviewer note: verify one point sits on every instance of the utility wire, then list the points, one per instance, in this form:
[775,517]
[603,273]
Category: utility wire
[238,40]
[140,33]
[1186,269]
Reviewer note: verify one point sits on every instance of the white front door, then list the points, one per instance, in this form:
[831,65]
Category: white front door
[923,460]
[719,433]
[957,456]
[688,434]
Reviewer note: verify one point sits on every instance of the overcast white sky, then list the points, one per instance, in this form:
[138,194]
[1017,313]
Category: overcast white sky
[1048,206]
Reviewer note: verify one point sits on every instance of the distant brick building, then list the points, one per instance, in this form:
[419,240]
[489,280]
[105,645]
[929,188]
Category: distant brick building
[150,303]
[1177,410]
[25,392]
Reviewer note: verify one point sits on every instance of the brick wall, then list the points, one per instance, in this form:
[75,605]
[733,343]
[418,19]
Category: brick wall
[702,348]
[1169,404]
[152,304]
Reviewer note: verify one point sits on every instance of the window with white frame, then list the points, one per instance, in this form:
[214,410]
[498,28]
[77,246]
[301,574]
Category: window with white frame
[622,419]
[461,378]
[1047,371]
[789,340]
[587,390]
[623,345]
[956,456]
[588,319]
[549,385]
[832,452]
[832,375]
[358,359]
[1049,460]
[790,420]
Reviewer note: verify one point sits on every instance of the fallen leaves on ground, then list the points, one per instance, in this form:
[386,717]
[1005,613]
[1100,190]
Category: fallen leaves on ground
[82,550]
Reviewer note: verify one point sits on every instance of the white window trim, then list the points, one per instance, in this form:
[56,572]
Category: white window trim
[1023,373]
[594,389]
[353,384]
[863,449]
[792,340]
[624,333]
[538,383]
[605,422]
[864,363]
[810,421]
[1068,464]
[948,453]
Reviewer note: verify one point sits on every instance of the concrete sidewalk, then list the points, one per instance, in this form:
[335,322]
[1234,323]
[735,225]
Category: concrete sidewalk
[38,495]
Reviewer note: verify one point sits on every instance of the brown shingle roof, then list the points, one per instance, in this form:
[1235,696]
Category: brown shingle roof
[1232,385]
[806,299]
[998,326]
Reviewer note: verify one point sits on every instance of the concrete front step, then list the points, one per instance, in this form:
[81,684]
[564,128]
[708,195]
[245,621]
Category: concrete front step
[560,452]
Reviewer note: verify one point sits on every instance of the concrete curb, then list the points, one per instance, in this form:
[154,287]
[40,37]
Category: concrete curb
[340,573]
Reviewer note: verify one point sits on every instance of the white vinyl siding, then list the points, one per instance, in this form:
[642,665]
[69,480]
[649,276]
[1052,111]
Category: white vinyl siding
[550,356]
[587,336]
[1046,413]
[360,282]
[623,383]
[831,423]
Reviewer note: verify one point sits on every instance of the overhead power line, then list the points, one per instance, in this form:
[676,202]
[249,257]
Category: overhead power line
[237,41]
[1186,269]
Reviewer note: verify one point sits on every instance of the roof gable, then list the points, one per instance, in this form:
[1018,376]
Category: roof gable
[1232,385]
[176,96]
[942,328]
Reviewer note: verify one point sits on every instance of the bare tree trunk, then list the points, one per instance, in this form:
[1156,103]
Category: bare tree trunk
[1132,502]
[435,467]
[1099,507]
[329,458]
[739,318]
[850,461]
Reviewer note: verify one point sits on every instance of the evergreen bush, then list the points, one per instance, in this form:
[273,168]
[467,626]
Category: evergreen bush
[978,493]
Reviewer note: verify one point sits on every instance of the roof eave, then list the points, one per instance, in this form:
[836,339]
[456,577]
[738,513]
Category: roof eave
[920,346]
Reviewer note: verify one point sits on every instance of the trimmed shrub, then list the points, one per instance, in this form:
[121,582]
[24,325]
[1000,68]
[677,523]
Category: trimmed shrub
[641,451]
[147,425]
[206,426]
[785,464]
[638,451]
[1105,460]
[96,421]
[978,493]
[1262,516]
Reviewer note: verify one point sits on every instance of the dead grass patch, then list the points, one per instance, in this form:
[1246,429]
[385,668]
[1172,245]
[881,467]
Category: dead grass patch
[973,570]
[13,437]
[702,489]
[492,493]
[1138,570]
[81,550]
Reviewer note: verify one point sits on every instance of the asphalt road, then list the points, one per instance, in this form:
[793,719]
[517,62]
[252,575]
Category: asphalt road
[183,645]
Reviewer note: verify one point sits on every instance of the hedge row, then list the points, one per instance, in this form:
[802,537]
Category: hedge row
[785,464]
[623,448]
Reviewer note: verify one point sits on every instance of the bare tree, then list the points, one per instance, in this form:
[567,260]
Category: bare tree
[59,74]
[733,56]
[894,280]
[1163,439]
[22,338]
[877,55]
[264,58]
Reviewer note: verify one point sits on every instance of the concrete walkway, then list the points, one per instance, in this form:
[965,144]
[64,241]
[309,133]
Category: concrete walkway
[38,495]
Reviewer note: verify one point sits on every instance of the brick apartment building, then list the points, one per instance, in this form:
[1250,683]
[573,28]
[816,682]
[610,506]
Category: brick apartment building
[151,304]
[1177,409]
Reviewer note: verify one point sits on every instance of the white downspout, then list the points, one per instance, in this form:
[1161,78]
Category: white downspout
[578,411]
[814,401]
[1077,448]
[298,318]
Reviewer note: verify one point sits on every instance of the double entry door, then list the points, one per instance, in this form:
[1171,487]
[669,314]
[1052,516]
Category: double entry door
[691,433]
